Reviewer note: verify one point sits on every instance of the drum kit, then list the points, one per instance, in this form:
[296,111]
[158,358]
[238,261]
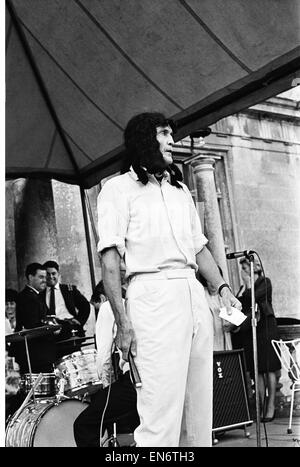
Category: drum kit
[53,400]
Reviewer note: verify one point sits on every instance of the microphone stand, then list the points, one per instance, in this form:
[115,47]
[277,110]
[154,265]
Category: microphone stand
[250,257]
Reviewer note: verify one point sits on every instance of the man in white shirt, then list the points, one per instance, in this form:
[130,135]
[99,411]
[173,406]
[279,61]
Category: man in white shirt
[147,217]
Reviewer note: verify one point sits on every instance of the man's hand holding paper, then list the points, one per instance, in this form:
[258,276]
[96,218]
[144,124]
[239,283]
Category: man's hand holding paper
[236,317]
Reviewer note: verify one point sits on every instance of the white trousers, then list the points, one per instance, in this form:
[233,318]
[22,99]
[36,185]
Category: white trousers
[174,332]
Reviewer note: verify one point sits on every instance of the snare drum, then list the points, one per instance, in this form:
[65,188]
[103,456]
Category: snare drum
[47,387]
[45,423]
[78,372]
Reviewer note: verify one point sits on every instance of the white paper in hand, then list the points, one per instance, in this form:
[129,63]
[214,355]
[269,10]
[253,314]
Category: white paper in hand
[237,317]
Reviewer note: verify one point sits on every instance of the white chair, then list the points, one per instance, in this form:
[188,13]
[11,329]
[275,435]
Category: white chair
[288,353]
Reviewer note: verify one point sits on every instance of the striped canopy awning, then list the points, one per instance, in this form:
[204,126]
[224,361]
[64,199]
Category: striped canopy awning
[78,70]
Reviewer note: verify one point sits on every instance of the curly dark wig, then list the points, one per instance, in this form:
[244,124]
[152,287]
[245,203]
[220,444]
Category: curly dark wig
[142,147]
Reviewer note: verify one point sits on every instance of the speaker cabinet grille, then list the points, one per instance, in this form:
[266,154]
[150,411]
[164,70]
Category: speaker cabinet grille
[230,398]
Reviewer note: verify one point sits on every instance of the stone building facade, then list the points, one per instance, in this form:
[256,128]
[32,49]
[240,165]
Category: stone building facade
[255,158]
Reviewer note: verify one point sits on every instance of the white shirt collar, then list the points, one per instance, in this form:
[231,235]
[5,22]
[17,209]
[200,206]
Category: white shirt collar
[55,287]
[166,175]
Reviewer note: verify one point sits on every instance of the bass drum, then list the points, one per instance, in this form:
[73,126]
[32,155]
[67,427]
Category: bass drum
[45,423]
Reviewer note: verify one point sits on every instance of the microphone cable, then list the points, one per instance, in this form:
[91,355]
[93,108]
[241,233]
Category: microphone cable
[267,339]
[107,399]
[105,407]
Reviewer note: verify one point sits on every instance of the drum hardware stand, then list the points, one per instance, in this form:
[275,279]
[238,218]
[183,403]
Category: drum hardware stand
[114,442]
[85,397]
[31,393]
[29,366]
[74,332]
[61,391]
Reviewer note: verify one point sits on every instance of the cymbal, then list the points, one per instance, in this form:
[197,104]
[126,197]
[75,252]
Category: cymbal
[73,339]
[32,333]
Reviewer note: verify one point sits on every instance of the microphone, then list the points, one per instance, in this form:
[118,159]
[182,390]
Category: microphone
[239,254]
[134,371]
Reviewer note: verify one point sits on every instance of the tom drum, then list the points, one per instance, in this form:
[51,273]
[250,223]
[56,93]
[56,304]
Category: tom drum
[78,372]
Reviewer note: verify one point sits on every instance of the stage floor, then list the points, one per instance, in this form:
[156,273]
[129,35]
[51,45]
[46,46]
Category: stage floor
[276,434]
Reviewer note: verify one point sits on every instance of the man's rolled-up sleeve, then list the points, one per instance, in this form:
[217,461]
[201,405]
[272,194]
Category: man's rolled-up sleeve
[113,217]
[199,240]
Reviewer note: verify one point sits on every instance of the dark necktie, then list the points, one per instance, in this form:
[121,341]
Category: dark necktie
[52,301]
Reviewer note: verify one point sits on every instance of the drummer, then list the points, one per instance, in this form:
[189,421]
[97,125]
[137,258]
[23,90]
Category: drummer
[31,312]
[109,405]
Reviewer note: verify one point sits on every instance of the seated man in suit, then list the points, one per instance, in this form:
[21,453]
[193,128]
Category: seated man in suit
[31,312]
[70,307]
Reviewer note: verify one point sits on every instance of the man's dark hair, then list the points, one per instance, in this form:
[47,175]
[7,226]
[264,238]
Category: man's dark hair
[11,295]
[32,268]
[256,265]
[98,290]
[142,147]
[51,264]
[244,260]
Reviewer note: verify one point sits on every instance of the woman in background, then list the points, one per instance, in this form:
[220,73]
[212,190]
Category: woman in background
[268,362]
[10,310]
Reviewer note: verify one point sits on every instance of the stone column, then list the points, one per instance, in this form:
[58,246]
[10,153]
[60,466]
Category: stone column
[206,191]
[11,275]
[35,225]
